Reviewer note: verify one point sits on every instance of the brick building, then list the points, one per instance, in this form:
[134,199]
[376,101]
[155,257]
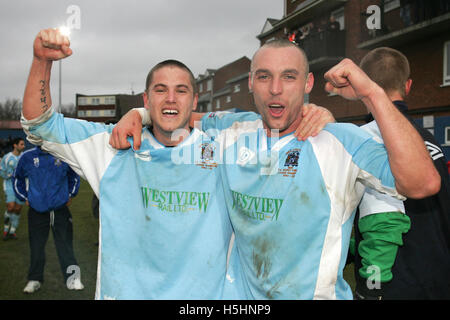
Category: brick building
[225,88]
[421,33]
[102,108]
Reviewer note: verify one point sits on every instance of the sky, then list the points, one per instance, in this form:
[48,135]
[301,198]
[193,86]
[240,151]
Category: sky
[116,42]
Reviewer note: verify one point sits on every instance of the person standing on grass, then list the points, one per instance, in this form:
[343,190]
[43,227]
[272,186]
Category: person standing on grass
[48,185]
[13,204]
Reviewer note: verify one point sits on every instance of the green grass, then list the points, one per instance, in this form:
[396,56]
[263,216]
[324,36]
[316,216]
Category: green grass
[15,256]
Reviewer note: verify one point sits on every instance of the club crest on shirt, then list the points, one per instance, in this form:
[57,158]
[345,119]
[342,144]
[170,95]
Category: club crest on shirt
[207,152]
[291,163]
[36,162]
[58,162]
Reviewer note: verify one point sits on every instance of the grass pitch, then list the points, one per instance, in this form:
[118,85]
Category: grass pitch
[15,256]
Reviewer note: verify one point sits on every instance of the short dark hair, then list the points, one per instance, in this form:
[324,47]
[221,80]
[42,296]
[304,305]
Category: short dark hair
[283,43]
[16,141]
[388,67]
[171,63]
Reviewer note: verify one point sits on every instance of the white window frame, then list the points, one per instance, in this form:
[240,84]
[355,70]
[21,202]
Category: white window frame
[447,136]
[237,87]
[209,85]
[228,99]
[218,103]
[200,87]
[446,67]
[339,15]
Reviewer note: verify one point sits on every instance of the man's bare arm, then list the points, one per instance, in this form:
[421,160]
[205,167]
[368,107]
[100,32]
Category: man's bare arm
[314,119]
[411,165]
[130,125]
[49,45]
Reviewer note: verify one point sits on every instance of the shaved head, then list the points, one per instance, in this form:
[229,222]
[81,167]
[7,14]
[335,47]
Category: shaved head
[282,43]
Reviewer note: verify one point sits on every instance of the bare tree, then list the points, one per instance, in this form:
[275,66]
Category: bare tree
[69,110]
[10,109]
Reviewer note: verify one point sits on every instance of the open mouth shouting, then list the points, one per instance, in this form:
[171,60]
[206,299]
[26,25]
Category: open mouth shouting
[276,110]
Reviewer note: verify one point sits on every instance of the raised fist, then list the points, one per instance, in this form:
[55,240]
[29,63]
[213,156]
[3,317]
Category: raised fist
[51,45]
[349,81]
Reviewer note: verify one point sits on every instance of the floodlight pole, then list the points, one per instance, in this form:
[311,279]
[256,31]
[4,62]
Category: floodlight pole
[60,81]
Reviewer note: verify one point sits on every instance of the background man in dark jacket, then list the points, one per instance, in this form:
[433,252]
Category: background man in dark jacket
[47,185]
[402,248]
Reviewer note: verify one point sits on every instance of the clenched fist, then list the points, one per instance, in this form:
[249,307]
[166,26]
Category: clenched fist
[51,45]
[349,81]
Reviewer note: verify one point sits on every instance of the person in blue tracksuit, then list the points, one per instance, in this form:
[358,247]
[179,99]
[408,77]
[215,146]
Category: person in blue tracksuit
[47,184]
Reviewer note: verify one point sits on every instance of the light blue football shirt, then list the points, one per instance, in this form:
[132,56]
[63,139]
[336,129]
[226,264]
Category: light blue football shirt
[292,203]
[7,167]
[164,228]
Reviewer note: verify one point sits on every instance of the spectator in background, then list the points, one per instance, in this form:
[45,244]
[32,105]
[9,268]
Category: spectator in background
[415,266]
[305,32]
[322,26]
[51,186]
[13,204]
[333,25]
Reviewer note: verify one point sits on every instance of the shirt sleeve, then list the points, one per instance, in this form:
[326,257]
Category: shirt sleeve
[3,172]
[382,234]
[19,182]
[222,120]
[382,223]
[83,145]
[6,170]
[368,155]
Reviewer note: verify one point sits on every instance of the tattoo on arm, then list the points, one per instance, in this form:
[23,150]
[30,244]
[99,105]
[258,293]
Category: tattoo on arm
[43,97]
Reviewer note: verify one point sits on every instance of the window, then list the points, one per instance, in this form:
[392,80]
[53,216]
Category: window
[428,122]
[228,99]
[81,113]
[209,85]
[237,87]
[209,108]
[339,16]
[447,63]
[200,87]
[110,100]
[218,104]
[107,113]
[82,101]
[447,136]
[95,101]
